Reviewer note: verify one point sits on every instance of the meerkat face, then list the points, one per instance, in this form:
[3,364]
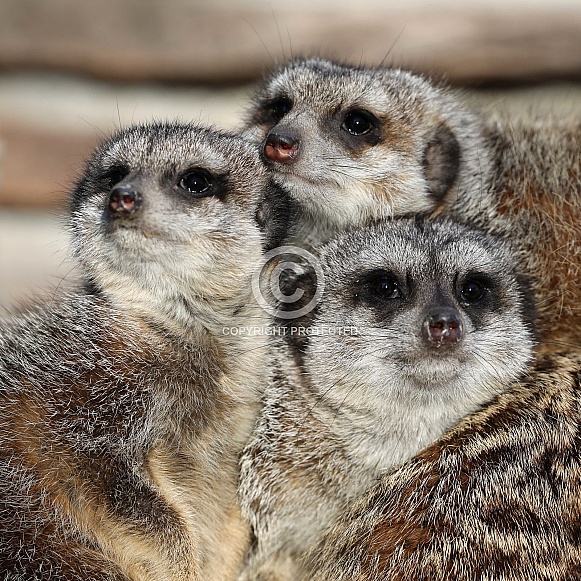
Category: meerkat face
[426,311]
[169,209]
[353,144]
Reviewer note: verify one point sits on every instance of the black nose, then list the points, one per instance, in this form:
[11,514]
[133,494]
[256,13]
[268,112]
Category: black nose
[124,201]
[281,147]
[443,327]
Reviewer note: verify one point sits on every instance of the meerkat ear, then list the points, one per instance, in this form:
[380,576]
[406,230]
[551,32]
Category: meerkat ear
[441,162]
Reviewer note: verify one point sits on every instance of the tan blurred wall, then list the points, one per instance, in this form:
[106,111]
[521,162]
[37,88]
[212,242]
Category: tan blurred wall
[219,41]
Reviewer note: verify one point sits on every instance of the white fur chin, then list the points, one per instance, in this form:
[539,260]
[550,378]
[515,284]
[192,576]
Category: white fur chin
[357,202]
[343,211]
[389,412]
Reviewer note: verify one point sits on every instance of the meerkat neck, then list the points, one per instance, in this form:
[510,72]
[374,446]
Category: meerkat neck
[380,441]
[393,423]
[172,363]
[309,229]
[188,317]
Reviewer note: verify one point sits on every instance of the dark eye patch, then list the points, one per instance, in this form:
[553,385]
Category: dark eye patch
[113,176]
[384,287]
[379,285]
[472,291]
[273,110]
[480,295]
[474,288]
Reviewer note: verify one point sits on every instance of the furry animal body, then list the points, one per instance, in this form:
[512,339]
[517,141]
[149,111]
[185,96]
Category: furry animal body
[498,497]
[124,406]
[420,324]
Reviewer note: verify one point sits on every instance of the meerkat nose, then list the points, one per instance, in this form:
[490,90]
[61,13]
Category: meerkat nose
[123,201]
[282,148]
[443,327]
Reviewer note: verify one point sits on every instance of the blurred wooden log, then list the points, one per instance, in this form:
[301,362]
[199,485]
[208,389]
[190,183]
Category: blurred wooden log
[49,124]
[39,165]
[218,42]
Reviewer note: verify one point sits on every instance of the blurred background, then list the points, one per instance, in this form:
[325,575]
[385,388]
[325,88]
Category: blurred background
[71,72]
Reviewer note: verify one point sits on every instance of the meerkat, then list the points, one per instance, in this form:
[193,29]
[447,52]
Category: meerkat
[124,406]
[351,145]
[498,497]
[420,323]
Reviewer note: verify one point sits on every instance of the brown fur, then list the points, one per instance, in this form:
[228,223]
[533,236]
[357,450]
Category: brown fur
[439,516]
[356,404]
[428,153]
[498,497]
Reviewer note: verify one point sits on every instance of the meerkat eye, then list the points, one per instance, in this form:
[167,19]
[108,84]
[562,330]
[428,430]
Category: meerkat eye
[384,287]
[358,122]
[112,177]
[278,108]
[197,181]
[472,291]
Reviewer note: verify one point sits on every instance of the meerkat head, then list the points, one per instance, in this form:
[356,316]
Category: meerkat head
[418,311]
[352,144]
[165,214]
